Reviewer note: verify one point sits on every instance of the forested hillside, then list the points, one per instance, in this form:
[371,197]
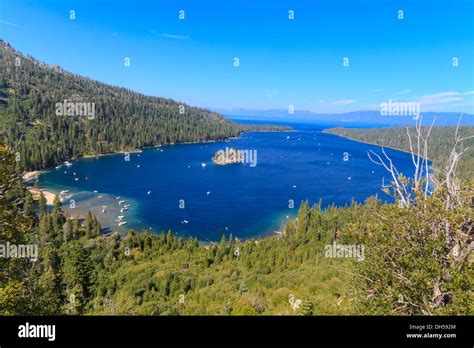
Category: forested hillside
[440,143]
[122,120]
[398,272]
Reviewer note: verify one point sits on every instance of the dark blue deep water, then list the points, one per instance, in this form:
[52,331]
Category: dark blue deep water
[243,200]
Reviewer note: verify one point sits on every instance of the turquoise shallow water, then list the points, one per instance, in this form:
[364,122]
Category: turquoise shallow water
[169,188]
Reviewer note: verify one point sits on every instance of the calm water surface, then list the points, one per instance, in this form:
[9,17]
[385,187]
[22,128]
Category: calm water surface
[169,188]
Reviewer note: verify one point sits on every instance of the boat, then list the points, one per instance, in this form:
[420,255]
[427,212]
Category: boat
[67,163]
[95,191]
[63,192]
[117,197]
[104,210]
[123,210]
[148,192]
[122,223]
[208,193]
[57,167]
[120,202]
[185,222]
[120,217]
[203,164]
[77,179]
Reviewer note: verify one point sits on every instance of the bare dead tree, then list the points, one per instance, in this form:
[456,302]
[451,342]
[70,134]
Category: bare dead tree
[403,187]
[448,177]
[459,241]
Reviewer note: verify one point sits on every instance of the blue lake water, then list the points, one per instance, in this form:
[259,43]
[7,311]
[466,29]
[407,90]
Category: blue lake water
[238,198]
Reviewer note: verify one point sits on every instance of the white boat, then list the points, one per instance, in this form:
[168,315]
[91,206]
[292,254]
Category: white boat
[104,210]
[117,197]
[120,217]
[120,202]
[185,222]
[57,167]
[148,192]
[203,164]
[63,192]
[67,163]
[208,193]
[122,223]
[95,191]
[123,210]
[77,179]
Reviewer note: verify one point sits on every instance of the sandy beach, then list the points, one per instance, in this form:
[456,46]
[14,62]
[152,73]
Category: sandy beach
[48,195]
[29,176]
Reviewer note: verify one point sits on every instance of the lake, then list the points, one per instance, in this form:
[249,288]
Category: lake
[178,187]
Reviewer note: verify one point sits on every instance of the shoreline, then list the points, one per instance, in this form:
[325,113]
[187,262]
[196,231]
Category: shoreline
[36,192]
[34,174]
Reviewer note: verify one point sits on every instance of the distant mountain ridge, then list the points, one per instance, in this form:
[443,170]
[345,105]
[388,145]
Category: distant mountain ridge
[356,117]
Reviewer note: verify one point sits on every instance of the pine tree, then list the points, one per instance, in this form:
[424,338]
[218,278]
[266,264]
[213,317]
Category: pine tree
[97,227]
[289,226]
[29,206]
[89,225]
[58,218]
[50,282]
[81,274]
[42,204]
[17,281]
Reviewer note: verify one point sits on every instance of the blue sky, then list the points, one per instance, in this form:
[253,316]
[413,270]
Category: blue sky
[282,61]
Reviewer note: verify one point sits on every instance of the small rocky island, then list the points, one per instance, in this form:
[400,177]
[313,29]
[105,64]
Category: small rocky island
[229,156]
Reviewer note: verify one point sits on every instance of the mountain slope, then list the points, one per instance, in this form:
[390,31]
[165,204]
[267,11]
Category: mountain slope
[122,120]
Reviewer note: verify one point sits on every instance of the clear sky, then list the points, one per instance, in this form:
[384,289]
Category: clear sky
[282,61]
